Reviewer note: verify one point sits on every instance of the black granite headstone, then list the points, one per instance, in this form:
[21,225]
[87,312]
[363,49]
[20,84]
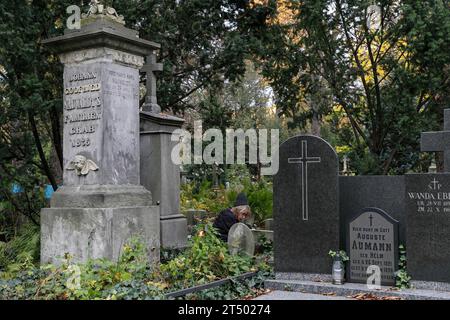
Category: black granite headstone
[306,209]
[428,226]
[372,240]
[384,192]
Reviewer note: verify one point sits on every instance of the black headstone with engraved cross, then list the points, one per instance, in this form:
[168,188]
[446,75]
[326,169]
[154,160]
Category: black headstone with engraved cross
[438,141]
[306,210]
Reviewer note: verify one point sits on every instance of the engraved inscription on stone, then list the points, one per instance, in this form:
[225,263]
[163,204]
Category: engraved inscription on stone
[82,108]
[431,199]
[372,239]
[120,84]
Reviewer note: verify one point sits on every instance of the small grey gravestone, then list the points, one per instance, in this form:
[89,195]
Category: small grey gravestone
[240,239]
[268,224]
[372,240]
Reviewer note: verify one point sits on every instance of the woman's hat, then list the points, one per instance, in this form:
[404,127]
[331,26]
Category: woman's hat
[241,200]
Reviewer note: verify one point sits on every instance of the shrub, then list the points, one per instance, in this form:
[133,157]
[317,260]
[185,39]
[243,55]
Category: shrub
[206,260]
[132,277]
[259,195]
[22,249]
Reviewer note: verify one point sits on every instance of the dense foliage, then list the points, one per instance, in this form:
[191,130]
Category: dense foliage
[132,277]
[201,196]
[376,88]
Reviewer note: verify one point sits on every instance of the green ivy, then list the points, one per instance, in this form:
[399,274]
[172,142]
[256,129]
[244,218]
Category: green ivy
[133,277]
[402,279]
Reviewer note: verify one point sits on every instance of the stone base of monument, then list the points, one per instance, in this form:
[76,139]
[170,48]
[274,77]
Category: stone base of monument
[316,285]
[431,285]
[174,231]
[90,222]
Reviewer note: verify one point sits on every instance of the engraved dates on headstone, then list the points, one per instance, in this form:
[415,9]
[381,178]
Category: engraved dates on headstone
[372,240]
[82,107]
[428,225]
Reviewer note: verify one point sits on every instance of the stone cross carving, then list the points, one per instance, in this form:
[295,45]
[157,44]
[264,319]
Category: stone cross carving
[151,101]
[304,160]
[438,141]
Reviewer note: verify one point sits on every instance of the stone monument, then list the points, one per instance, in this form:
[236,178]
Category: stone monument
[438,141]
[241,240]
[306,208]
[372,240]
[158,173]
[101,203]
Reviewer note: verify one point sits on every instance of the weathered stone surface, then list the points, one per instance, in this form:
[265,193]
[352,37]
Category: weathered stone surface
[372,240]
[306,209]
[102,34]
[173,232]
[102,125]
[101,204]
[101,196]
[161,176]
[92,233]
[241,240]
[193,216]
[428,225]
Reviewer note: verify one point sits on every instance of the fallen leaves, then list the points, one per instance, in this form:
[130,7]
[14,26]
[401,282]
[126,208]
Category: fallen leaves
[256,293]
[370,296]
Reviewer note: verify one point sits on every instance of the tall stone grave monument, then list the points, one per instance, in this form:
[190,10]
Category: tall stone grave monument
[158,173]
[161,176]
[306,209]
[101,204]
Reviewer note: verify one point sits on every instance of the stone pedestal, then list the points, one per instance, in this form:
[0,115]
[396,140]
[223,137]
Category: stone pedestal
[161,176]
[101,204]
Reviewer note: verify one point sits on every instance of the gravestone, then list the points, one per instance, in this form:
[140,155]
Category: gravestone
[268,224]
[194,216]
[439,141]
[101,204]
[384,192]
[161,176]
[372,240]
[240,240]
[151,101]
[306,207]
[428,227]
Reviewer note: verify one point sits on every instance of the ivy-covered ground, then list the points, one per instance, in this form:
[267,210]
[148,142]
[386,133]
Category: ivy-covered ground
[132,277]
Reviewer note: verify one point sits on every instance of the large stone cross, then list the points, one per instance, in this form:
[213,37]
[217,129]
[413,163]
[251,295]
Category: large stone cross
[438,141]
[303,161]
[151,101]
